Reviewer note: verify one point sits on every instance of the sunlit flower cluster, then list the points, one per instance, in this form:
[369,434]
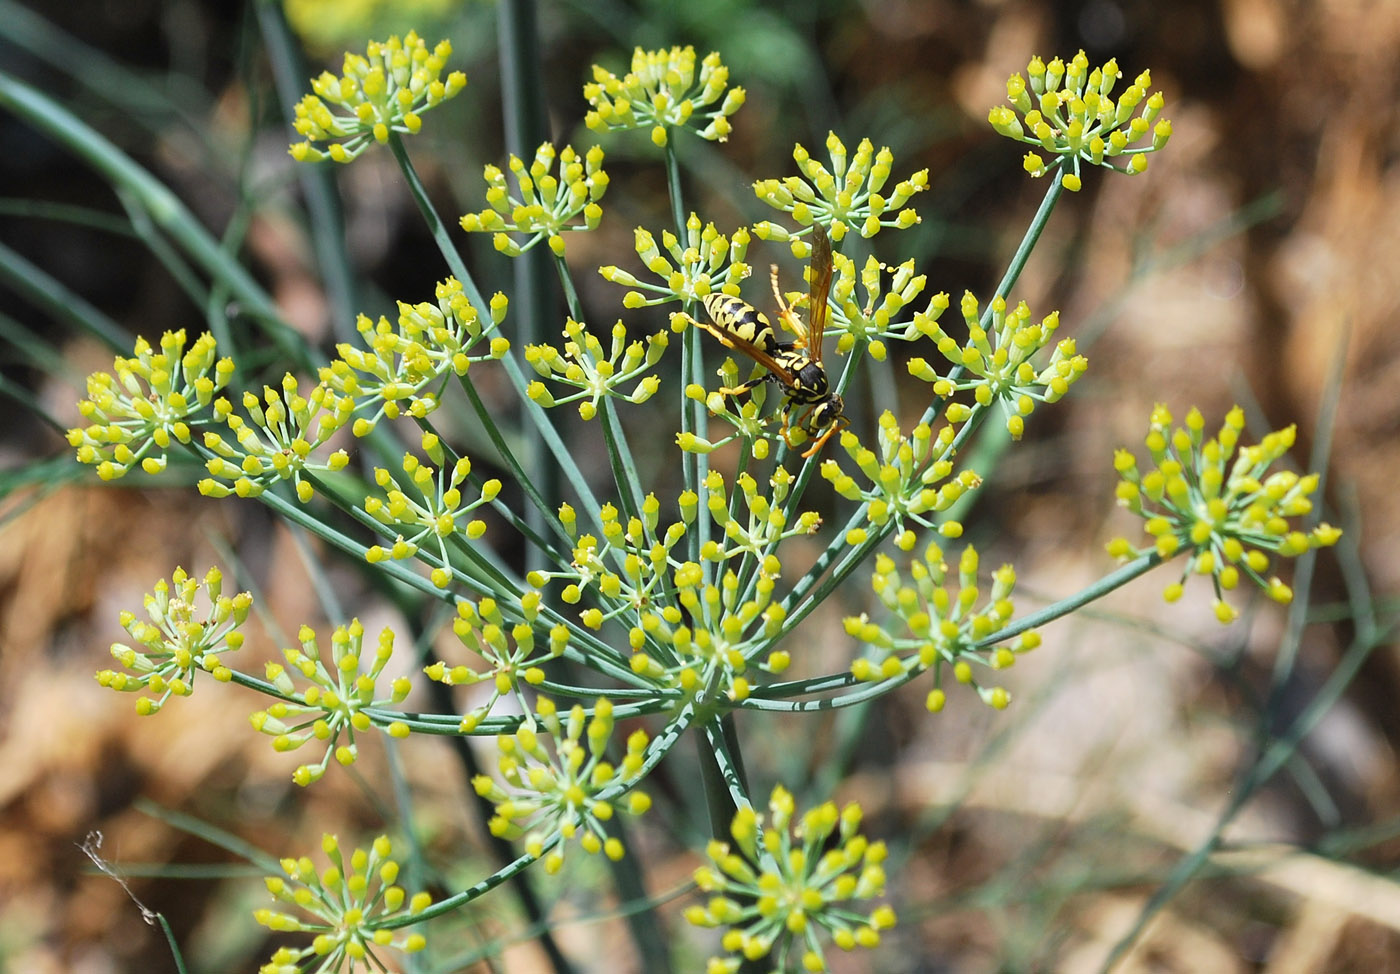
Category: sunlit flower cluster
[998,361]
[278,443]
[178,641]
[876,319]
[135,414]
[406,362]
[662,91]
[1216,501]
[557,782]
[358,908]
[584,365]
[387,89]
[627,567]
[701,647]
[706,261]
[545,203]
[512,653]
[845,197]
[427,506]
[1069,111]
[343,685]
[783,891]
[943,627]
[908,478]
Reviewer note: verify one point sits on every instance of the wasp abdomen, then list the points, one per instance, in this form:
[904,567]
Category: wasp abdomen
[741,318]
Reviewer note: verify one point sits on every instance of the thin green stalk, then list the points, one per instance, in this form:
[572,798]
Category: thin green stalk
[594,652]
[620,456]
[694,466]
[57,300]
[165,209]
[525,125]
[455,264]
[559,554]
[1013,268]
[1275,757]
[326,220]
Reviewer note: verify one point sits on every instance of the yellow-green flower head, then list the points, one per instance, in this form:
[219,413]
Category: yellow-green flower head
[544,203]
[787,890]
[146,402]
[405,363]
[356,910]
[662,91]
[276,442]
[628,567]
[945,627]
[177,642]
[910,475]
[849,195]
[514,655]
[880,316]
[596,372]
[702,644]
[1068,110]
[385,90]
[342,684]
[558,783]
[427,507]
[998,360]
[706,260]
[1216,502]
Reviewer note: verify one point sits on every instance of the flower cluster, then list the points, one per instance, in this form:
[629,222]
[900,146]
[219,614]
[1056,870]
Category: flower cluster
[335,703]
[628,567]
[999,361]
[546,202]
[902,478]
[404,358]
[567,788]
[429,504]
[846,196]
[385,90]
[357,910]
[942,627]
[777,889]
[662,91]
[702,648]
[1217,501]
[482,628]
[135,414]
[1069,112]
[876,319]
[585,366]
[699,266]
[177,642]
[278,444]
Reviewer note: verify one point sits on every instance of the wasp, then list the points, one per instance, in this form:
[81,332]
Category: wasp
[795,366]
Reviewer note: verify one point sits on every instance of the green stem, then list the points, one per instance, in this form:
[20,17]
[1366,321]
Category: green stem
[164,207]
[318,189]
[58,301]
[694,466]
[1276,756]
[546,430]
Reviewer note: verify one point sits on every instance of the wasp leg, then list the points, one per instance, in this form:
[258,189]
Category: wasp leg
[739,390]
[840,423]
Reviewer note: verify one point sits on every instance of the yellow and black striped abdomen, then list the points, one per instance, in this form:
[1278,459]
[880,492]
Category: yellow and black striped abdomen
[740,319]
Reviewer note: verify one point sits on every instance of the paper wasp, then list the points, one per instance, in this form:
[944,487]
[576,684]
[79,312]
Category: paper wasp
[796,366]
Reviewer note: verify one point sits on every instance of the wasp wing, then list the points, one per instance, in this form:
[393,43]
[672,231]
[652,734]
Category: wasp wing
[819,275]
[730,340]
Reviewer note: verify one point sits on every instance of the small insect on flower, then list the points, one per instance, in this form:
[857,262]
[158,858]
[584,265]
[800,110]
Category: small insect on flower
[796,366]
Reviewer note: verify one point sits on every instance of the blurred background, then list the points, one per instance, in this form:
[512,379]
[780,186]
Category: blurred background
[1254,263]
